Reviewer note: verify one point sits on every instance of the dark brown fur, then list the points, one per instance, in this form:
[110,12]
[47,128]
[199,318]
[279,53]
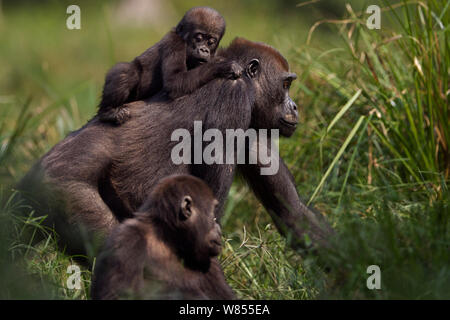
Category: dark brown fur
[172,65]
[102,173]
[161,252]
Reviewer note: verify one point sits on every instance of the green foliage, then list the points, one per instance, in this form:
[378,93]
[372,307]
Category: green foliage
[403,74]
[409,243]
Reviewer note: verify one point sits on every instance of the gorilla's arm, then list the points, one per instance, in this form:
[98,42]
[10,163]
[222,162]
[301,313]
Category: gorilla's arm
[278,194]
[84,202]
[72,170]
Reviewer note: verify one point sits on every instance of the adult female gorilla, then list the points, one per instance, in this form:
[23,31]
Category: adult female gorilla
[102,173]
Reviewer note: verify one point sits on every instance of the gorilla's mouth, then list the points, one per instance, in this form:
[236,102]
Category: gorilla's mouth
[195,61]
[200,59]
[216,242]
[288,123]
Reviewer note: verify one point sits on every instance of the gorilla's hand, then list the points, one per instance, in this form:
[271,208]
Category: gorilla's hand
[228,69]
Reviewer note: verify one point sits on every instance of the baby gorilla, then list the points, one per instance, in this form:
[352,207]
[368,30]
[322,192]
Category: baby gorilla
[177,64]
[168,250]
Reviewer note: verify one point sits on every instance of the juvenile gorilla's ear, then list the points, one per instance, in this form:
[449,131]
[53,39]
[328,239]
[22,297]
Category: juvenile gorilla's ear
[186,207]
[182,32]
[252,68]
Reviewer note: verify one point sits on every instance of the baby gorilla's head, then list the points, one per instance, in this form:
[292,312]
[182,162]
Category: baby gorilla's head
[202,29]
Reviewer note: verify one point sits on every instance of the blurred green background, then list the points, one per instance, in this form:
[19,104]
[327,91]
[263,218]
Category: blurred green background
[371,151]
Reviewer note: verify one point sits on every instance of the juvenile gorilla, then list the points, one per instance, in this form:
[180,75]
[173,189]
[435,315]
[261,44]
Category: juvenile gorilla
[167,250]
[101,174]
[178,64]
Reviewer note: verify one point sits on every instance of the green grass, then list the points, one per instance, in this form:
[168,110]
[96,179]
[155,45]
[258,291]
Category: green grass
[371,151]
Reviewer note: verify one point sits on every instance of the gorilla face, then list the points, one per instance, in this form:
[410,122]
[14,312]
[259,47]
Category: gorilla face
[201,46]
[211,237]
[214,236]
[199,228]
[274,108]
[202,29]
[286,111]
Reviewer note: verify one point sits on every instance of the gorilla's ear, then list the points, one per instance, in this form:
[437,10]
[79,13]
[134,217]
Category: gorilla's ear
[181,31]
[186,207]
[252,68]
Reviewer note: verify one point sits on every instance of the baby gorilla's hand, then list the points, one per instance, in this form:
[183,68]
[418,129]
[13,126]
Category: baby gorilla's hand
[228,69]
[236,71]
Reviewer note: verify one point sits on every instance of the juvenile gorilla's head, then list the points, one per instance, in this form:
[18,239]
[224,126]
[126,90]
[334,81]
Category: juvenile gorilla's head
[184,207]
[267,71]
[202,29]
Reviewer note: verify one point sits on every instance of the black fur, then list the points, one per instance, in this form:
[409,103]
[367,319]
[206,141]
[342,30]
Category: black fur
[173,65]
[163,253]
[102,173]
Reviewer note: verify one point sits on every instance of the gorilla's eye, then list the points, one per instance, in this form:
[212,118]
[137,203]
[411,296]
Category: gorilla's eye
[211,41]
[198,37]
[286,84]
